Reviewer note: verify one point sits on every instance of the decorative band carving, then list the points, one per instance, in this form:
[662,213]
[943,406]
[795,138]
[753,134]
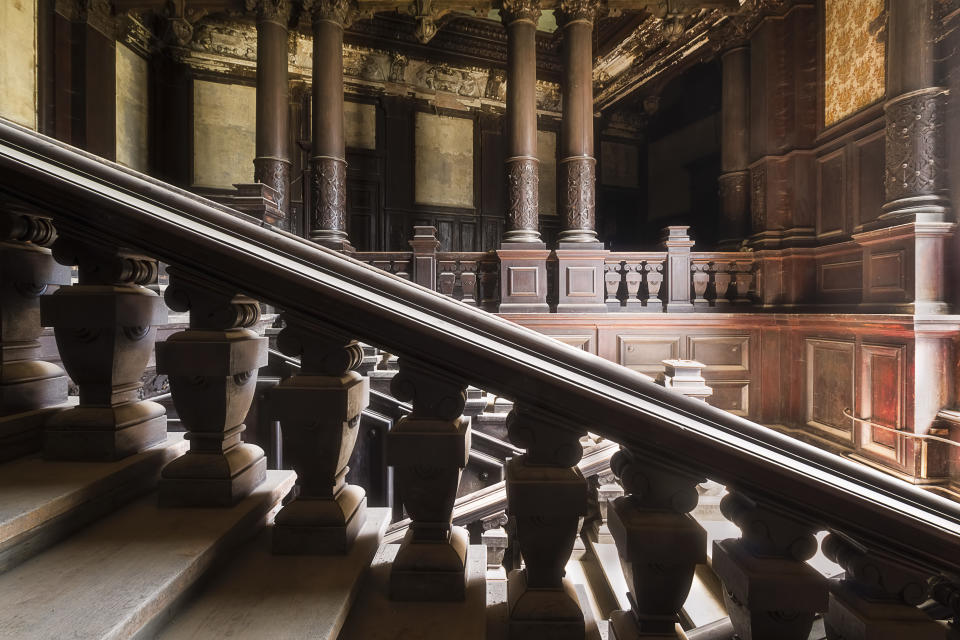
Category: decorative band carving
[328,191]
[274,173]
[578,201]
[523,200]
[514,10]
[915,144]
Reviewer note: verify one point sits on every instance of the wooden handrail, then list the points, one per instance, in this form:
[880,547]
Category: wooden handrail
[106,203]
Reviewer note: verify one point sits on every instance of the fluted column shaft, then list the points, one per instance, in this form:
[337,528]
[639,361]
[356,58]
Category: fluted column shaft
[272,162]
[328,218]
[577,164]
[522,166]
[735,148]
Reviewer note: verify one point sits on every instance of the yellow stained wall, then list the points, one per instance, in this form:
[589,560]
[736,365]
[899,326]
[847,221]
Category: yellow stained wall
[132,114]
[224,133]
[18,61]
[443,149]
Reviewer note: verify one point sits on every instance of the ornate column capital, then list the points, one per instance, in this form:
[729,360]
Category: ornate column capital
[340,12]
[270,10]
[514,10]
[571,11]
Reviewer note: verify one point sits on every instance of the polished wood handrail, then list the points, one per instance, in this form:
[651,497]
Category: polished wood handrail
[106,203]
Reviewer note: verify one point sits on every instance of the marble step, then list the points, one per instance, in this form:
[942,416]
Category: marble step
[42,502]
[260,595]
[125,574]
[375,617]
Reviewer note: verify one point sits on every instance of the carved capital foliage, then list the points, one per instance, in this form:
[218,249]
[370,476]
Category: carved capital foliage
[523,202]
[329,194]
[579,193]
[915,144]
[341,12]
[514,10]
[270,10]
[576,10]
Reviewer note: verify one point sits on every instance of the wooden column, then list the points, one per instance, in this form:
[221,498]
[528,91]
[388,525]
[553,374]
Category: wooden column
[272,162]
[105,326]
[212,368]
[429,449]
[735,149]
[915,111]
[29,386]
[319,412]
[546,499]
[522,165]
[328,189]
[577,164]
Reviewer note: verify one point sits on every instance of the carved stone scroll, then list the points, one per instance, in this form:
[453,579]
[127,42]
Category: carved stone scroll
[105,326]
[212,367]
[429,449]
[546,499]
[319,412]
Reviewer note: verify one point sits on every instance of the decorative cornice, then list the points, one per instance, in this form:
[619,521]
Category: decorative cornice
[514,10]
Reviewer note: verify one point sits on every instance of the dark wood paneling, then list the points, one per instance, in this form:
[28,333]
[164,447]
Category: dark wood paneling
[831,192]
[830,387]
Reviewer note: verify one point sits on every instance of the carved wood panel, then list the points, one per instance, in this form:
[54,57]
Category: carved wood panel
[646,353]
[830,375]
[727,353]
[730,395]
[831,191]
[881,399]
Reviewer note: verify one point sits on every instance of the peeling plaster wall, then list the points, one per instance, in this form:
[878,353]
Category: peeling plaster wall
[18,61]
[547,155]
[224,130]
[360,125]
[132,114]
[443,150]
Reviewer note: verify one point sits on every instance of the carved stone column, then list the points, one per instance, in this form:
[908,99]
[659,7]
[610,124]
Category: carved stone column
[878,597]
[915,110]
[429,449]
[212,368]
[272,164]
[319,412]
[328,219]
[769,589]
[28,385]
[735,149]
[659,543]
[577,164]
[546,499]
[105,328]
[522,167]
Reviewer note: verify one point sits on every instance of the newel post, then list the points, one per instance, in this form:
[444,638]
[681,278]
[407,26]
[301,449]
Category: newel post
[547,500]
[213,369]
[425,245]
[319,412]
[678,245]
[429,449]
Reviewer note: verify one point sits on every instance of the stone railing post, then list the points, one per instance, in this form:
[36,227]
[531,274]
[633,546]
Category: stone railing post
[546,500]
[105,326]
[684,376]
[678,246]
[878,597]
[425,245]
[319,412]
[428,450]
[212,368]
[29,385]
[769,589]
[659,543]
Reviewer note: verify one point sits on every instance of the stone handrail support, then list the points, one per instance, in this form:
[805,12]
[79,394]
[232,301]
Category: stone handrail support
[891,537]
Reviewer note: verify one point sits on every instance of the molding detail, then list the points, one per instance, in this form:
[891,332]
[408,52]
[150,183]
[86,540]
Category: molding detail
[523,203]
[578,199]
[328,191]
[914,144]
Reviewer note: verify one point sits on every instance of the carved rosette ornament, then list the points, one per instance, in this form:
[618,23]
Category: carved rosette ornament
[329,199]
[270,10]
[275,173]
[578,199]
[523,200]
[513,10]
[576,11]
[915,171]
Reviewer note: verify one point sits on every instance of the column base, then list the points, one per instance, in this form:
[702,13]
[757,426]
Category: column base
[325,526]
[212,479]
[543,614]
[431,571]
[337,244]
[104,433]
[523,277]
